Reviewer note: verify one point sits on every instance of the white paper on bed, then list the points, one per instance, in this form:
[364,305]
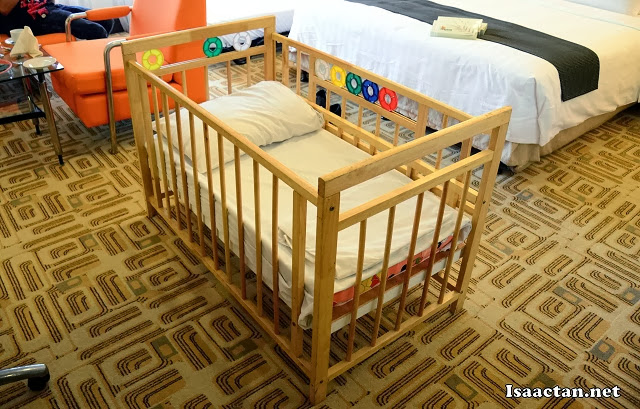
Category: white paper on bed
[480,76]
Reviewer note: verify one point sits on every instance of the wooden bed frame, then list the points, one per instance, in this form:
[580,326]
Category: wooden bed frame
[452,183]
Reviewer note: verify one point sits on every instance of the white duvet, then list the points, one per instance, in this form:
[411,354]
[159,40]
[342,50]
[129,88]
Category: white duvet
[479,76]
[219,11]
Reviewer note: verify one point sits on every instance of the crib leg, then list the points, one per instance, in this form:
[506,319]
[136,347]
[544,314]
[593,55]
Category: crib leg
[326,246]
[456,307]
[151,211]
[318,392]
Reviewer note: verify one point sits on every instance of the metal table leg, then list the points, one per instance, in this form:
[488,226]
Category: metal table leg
[28,92]
[45,96]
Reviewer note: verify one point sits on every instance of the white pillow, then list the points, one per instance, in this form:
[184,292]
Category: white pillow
[264,113]
[630,7]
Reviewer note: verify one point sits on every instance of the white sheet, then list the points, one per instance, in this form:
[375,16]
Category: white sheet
[310,156]
[219,11]
[479,76]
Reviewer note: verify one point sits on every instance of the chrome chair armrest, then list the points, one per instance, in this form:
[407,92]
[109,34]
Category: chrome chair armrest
[67,23]
[109,88]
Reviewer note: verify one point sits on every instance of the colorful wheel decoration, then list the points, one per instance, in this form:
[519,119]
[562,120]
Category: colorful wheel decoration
[242,41]
[152,59]
[212,47]
[323,70]
[338,76]
[370,91]
[388,99]
[354,83]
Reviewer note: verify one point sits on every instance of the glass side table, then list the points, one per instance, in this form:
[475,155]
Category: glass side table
[35,91]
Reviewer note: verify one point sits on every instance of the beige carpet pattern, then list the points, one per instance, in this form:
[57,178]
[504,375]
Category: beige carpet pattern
[126,318]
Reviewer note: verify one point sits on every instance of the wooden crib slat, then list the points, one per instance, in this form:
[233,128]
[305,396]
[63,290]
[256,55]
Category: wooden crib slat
[454,240]
[445,123]
[243,278]
[225,210]
[372,148]
[196,183]
[412,252]
[396,134]
[207,95]
[211,198]
[183,174]
[434,247]
[163,163]
[185,89]
[356,139]
[298,71]
[154,159]
[248,64]
[258,222]
[274,256]
[465,151]
[163,159]
[383,278]
[285,64]
[172,165]
[356,288]
[313,80]
[298,267]
[229,78]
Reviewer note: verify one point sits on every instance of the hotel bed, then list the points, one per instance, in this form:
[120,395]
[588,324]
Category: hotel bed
[284,201]
[224,11]
[478,76]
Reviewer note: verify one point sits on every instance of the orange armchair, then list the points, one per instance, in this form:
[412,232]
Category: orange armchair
[93,83]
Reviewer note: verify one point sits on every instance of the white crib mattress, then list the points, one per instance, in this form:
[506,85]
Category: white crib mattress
[311,156]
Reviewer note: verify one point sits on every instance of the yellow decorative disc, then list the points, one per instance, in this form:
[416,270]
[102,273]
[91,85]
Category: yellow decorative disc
[338,76]
[152,59]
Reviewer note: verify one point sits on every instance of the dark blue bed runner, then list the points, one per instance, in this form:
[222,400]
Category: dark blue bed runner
[578,66]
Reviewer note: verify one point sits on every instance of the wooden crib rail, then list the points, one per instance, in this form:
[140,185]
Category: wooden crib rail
[331,221]
[347,177]
[383,82]
[175,195]
[131,47]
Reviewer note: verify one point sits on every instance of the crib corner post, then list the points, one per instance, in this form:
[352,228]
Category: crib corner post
[496,144]
[325,269]
[270,54]
[138,120]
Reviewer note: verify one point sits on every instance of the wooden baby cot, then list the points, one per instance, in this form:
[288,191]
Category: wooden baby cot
[166,182]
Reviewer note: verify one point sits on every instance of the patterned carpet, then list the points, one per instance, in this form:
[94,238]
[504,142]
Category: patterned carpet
[126,318]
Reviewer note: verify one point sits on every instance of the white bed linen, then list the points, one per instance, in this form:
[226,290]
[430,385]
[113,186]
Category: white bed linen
[307,156]
[479,76]
[219,11]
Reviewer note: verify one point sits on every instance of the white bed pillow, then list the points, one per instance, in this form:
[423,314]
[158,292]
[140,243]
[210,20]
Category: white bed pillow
[264,113]
[630,7]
